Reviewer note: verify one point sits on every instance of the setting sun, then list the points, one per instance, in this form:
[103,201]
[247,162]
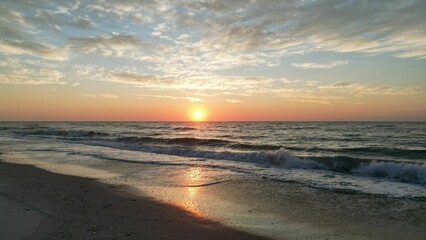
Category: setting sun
[198,115]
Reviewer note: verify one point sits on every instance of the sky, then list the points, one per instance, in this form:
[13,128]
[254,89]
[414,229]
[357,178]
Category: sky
[239,60]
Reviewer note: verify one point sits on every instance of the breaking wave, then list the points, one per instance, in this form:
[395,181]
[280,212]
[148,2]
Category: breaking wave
[283,158]
[403,172]
[189,141]
[63,133]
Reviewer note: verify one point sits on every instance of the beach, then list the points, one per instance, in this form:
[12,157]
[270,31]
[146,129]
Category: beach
[94,181]
[213,119]
[70,207]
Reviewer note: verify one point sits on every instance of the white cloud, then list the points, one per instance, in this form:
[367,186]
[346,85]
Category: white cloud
[83,22]
[162,27]
[359,89]
[113,45]
[29,72]
[311,65]
[194,99]
[156,33]
[26,76]
[233,100]
[107,95]
[184,37]
[191,99]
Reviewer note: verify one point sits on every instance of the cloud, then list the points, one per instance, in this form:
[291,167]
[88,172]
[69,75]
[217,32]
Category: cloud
[122,75]
[83,22]
[184,37]
[45,17]
[139,11]
[233,100]
[28,72]
[311,65]
[339,26]
[212,47]
[132,76]
[27,76]
[113,45]
[104,95]
[194,99]
[46,51]
[191,99]
[156,34]
[162,27]
[359,89]
[107,95]
[12,24]
[341,84]
[215,85]
[341,92]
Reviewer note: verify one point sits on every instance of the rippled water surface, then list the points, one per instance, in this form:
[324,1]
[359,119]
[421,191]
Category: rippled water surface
[359,156]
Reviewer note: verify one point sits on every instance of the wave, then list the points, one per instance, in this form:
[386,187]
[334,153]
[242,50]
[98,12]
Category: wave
[384,125]
[403,172]
[279,158]
[247,146]
[188,141]
[184,128]
[348,161]
[342,164]
[371,151]
[63,133]
[180,141]
[387,151]
[283,158]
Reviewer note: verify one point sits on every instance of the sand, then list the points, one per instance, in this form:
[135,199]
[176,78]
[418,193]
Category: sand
[36,204]
[328,214]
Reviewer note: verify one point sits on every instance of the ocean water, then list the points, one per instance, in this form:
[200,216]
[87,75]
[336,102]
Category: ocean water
[385,158]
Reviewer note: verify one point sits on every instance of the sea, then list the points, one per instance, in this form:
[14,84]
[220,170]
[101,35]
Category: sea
[379,158]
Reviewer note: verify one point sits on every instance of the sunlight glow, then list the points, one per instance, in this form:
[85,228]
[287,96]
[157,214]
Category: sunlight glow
[198,115]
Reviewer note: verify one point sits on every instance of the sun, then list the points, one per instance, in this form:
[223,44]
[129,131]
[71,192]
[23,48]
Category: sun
[198,115]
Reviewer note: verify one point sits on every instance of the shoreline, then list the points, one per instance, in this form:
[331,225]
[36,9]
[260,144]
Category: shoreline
[248,207]
[69,207]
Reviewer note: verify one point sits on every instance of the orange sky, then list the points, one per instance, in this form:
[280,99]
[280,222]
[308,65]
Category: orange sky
[43,104]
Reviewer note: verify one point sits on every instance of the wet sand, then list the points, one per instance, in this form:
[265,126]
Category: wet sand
[37,204]
[310,213]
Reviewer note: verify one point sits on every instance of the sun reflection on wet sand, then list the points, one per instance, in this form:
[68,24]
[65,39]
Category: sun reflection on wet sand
[189,203]
[192,192]
[188,195]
